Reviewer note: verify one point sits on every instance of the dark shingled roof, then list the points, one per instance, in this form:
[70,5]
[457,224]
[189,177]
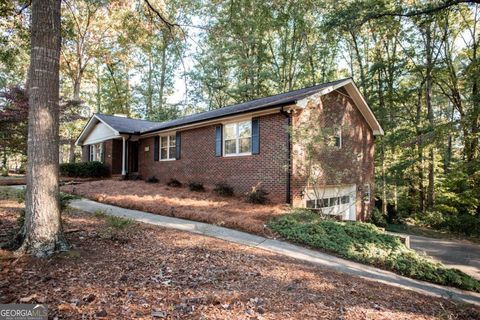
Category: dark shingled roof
[127,125]
[135,126]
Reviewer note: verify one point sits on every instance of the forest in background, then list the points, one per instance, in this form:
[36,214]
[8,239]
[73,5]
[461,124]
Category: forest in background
[416,63]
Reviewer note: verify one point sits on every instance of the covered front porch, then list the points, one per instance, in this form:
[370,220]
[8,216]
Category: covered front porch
[118,151]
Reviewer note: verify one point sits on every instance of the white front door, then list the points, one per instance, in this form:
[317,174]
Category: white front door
[335,200]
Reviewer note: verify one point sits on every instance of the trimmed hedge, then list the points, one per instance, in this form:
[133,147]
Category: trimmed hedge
[92,169]
[365,243]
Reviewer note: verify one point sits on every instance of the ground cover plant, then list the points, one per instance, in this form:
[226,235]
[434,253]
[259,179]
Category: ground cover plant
[366,243]
[162,273]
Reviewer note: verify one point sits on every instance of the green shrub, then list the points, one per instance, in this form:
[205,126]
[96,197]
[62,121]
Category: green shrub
[366,243]
[174,183]
[256,195]
[377,218]
[466,224]
[196,186]
[223,189]
[92,169]
[432,219]
[151,179]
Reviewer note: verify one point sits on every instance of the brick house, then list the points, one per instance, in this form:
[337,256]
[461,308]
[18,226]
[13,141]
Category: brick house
[312,147]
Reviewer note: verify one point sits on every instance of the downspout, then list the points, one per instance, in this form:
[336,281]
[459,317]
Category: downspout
[125,157]
[288,115]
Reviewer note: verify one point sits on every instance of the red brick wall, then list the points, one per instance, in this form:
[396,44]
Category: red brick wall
[351,164]
[113,155]
[199,163]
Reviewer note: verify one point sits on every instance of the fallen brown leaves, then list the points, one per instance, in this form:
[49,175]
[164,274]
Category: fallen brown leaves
[181,203]
[159,273]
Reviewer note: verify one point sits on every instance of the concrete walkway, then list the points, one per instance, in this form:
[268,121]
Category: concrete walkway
[283,248]
[462,255]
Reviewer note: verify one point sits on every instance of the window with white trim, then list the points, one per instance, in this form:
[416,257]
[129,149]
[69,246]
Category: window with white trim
[96,152]
[237,138]
[366,193]
[168,147]
[337,137]
[327,202]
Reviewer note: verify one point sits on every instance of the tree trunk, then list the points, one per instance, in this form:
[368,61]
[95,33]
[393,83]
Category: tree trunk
[428,97]
[71,152]
[41,233]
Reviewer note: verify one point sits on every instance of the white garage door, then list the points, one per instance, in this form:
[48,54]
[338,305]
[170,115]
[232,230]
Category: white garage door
[336,200]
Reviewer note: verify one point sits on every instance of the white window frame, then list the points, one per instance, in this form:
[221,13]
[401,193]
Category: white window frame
[168,136]
[367,191]
[237,138]
[93,152]
[338,133]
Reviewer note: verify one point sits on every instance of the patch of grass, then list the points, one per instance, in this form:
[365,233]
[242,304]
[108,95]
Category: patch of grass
[366,243]
[9,193]
[65,199]
[100,214]
[116,228]
[118,223]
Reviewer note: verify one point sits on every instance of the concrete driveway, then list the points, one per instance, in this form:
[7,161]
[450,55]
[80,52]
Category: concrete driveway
[462,255]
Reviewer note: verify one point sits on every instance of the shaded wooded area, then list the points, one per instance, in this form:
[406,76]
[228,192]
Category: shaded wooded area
[417,66]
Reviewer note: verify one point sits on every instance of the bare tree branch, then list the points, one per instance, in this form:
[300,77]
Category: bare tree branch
[428,9]
[169,24]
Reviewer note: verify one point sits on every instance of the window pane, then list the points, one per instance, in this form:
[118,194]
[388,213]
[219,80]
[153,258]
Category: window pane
[245,145]
[163,153]
[245,129]
[172,141]
[311,204]
[230,146]
[321,203]
[230,131]
[173,152]
[163,141]
[334,202]
[345,199]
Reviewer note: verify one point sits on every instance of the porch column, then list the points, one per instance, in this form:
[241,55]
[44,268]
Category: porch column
[124,168]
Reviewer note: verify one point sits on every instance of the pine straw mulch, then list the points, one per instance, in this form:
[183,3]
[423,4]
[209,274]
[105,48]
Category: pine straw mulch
[231,212]
[147,272]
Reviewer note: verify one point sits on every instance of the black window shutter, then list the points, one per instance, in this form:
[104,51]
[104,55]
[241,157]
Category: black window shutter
[255,136]
[88,152]
[178,145]
[156,146]
[103,152]
[218,141]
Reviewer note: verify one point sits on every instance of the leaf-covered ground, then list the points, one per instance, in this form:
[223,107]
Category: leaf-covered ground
[231,212]
[144,271]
